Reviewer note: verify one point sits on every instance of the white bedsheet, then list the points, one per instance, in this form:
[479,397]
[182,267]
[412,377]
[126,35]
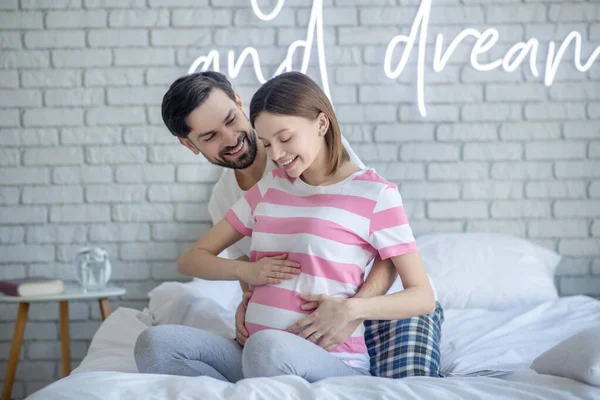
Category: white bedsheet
[511,340]
[472,340]
[118,385]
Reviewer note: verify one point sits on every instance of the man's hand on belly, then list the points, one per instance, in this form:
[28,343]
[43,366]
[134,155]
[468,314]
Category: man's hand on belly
[241,334]
[330,325]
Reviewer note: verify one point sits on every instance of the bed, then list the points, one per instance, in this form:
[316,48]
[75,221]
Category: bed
[487,349]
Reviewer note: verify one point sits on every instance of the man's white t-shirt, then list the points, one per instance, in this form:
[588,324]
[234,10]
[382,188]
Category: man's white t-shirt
[226,193]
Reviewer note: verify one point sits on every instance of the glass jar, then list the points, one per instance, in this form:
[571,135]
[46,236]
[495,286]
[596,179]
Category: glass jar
[93,268]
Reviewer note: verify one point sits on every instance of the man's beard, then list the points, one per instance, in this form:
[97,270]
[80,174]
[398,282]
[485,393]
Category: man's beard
[243,161]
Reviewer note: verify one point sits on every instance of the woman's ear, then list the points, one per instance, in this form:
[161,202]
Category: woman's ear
[322,123]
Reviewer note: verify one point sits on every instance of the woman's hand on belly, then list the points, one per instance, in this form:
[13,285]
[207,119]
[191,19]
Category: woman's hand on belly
[269,270]
[330,324]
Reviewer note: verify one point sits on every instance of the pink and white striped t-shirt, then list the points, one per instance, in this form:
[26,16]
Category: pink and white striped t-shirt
[332,231]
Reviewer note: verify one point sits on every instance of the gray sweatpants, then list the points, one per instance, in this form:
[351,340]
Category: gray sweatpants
[186,351]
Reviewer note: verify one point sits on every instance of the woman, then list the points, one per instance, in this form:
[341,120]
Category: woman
[315,224]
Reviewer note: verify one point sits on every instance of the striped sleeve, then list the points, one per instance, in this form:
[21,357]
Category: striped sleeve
[389,232]
[241,214]
[217,213]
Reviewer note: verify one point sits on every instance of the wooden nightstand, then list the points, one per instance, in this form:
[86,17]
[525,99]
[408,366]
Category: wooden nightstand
[71,292]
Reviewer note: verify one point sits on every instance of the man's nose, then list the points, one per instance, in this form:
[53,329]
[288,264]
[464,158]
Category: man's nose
[230,138]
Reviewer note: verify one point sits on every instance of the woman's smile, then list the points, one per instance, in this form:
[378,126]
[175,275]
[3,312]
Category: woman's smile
[289,163]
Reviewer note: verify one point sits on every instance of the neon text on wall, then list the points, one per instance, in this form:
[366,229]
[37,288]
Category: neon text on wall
[485,40]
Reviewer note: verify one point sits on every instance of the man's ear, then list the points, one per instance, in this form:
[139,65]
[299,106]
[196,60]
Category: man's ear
[189,145]
[238,101]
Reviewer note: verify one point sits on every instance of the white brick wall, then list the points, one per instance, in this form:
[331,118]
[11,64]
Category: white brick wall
[85,157]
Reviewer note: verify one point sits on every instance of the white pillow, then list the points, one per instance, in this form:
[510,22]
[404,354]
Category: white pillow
[206,314]
[193,304]
[577,357]
[226,293]
[170,301]
[111,348]
[487,270]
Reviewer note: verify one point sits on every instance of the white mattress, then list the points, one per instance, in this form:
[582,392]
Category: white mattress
[472,340]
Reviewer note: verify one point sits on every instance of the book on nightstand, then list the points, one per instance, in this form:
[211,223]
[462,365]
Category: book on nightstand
[32,286]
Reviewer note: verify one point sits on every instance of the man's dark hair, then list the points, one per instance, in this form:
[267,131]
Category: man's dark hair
[186,94]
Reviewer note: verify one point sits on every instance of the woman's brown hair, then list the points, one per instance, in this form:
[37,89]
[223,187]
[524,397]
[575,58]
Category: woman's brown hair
[295,94]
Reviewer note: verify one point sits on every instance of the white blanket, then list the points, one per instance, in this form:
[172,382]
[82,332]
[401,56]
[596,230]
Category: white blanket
[118,385]
[471,340]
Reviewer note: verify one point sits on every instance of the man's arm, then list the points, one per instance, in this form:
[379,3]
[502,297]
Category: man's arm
[417,298]
[201,260]
[380,280]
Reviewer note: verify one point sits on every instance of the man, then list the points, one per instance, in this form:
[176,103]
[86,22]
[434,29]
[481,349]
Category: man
[208,117]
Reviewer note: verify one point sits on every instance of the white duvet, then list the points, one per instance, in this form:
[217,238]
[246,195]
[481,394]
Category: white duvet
[472,340]
[119,385]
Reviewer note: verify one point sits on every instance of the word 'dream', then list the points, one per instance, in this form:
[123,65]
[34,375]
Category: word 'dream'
[485,40]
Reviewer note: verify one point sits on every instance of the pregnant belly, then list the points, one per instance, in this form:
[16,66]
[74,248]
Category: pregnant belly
[271,307]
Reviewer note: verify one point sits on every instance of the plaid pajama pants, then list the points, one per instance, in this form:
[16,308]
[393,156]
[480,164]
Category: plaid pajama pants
[407,347]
